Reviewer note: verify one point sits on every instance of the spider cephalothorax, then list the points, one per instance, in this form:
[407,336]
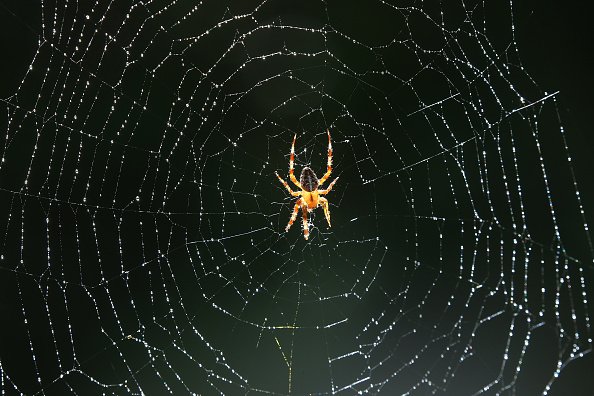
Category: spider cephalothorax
[309,196]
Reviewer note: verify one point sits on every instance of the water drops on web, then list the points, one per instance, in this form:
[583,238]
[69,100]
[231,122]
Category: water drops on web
[144,246]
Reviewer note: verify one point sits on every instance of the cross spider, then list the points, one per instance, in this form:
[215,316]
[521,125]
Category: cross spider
[309,196]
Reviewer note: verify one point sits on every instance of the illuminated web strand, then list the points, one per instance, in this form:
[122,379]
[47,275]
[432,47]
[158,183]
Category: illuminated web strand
[148,205]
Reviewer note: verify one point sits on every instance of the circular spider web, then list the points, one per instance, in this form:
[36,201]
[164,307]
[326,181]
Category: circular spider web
[143,246]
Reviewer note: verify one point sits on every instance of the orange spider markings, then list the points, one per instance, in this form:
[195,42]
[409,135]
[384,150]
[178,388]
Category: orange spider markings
[305,224]
[291,162]
[293,193]
[294,214]
[309,194]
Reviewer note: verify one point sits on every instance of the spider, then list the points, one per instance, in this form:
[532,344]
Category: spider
[309,196]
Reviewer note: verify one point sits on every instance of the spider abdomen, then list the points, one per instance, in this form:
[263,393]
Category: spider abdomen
[309,180]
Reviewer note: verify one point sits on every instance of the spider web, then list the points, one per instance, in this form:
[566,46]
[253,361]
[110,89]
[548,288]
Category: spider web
[143,246]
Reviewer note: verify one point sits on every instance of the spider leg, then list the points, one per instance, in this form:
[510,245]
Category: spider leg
[293,193]
[329,168]
[291,162]
[294,214]
[326,191]
[305,223]
[324,203]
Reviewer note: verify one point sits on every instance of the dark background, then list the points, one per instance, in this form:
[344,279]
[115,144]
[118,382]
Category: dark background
[554,42]
[176,313]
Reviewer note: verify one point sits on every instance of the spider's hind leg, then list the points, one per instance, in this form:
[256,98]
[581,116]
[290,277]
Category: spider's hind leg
[305,223]
[324,203]
[294,214]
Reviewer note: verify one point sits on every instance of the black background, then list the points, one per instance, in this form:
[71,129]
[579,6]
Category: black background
[555,46]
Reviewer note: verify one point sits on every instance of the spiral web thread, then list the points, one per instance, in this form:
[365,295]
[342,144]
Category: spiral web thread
[143,246]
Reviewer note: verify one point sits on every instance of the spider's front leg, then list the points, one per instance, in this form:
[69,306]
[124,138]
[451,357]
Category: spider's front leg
[293,193]
[292,164]
[329,166]
[326,191]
